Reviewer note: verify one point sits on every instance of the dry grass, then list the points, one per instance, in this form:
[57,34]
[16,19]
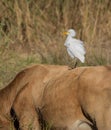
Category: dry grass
[30,32]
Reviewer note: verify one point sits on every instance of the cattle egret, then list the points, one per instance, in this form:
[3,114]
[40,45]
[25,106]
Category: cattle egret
[75,47]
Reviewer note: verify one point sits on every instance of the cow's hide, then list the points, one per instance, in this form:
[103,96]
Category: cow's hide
[7,97]
[86,90]
[31,76]
[81,94]
[77,99]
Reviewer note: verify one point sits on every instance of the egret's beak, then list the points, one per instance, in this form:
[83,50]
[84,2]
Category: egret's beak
[65,33]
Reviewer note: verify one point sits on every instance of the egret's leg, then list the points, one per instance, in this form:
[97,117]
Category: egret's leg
[71,65]
[75,65]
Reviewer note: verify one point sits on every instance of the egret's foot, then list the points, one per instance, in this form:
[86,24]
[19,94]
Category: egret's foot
[71,67]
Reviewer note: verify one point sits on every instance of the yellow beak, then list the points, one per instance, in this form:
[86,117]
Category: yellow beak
[65,33]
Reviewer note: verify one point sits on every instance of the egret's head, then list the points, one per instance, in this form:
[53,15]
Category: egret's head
[70,32]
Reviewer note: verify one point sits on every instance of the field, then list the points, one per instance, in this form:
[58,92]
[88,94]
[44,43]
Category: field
[31,32]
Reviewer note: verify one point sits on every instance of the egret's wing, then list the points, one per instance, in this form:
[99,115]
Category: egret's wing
[70,53]
[77,49]
[77,54]
[78,46]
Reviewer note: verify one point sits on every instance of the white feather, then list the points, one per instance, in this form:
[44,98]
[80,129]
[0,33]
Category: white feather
[75,47]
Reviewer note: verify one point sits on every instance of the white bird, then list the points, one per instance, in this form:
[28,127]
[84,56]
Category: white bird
[75,47]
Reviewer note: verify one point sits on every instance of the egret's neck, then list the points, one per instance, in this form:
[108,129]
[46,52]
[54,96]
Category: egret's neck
[68,37]
[67,40]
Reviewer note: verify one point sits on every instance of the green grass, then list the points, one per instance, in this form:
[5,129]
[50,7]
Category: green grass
[12,64]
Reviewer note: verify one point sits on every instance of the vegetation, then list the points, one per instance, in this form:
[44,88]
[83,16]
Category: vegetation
[31,32]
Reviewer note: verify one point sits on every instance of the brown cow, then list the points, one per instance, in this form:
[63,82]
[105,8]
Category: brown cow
[42,89]
[79,95]
[7,96]
[26,77]
[87,89]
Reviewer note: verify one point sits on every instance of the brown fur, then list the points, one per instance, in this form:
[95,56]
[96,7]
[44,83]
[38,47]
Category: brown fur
[33,93]
[82,94]
[28,77]
[31,97]
[7,96]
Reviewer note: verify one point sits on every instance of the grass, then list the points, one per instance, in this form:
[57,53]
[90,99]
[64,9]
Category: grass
[30,32]
[11,64]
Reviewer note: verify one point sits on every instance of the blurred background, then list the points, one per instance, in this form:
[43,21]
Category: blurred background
[31,32]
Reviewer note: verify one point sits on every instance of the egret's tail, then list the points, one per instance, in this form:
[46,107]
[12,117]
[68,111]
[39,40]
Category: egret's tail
[82,58]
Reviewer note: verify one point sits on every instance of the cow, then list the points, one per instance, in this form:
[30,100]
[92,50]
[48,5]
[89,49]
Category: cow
[73,100]
[7,96]
[23,79]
